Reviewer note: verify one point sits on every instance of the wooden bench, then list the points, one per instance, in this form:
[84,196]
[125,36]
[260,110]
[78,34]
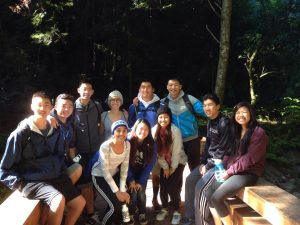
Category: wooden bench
[18,210]
[265,203]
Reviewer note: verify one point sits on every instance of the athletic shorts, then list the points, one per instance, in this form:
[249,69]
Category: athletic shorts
[47,190]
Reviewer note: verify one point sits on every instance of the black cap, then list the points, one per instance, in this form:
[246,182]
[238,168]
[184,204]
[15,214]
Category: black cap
[164,110]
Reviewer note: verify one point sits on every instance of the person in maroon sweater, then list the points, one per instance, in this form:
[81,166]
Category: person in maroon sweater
[244,162]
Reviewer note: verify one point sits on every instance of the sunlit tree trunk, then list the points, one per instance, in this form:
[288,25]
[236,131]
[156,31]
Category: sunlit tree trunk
[224,48]
[250,71]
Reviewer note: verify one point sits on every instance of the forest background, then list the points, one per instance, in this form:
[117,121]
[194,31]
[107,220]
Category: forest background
[49,45]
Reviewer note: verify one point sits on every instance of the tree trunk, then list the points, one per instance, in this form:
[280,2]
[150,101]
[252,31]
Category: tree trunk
[224,48]
[250,70]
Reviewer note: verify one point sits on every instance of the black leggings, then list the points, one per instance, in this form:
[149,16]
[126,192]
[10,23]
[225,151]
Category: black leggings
[217,192]
[171,186]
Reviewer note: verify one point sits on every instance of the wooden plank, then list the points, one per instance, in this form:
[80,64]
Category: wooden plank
[18,210]
[273,203]
[247,216]
[242,214]
[234,203]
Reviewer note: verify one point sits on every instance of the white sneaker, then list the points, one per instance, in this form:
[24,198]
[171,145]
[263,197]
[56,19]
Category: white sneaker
[176,217]
[162,214]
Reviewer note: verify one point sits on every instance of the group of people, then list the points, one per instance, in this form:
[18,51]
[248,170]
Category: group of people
[67,155]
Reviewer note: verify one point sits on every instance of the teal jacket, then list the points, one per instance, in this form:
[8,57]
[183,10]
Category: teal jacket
[183,118]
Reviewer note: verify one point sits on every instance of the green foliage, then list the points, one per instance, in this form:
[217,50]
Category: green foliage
[284,140]
[291,110]
[45,20]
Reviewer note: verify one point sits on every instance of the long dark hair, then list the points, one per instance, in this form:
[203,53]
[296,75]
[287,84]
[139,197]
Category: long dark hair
[240,146]
[146,146]
[166,144]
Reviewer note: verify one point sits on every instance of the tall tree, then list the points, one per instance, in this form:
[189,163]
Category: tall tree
[224,48]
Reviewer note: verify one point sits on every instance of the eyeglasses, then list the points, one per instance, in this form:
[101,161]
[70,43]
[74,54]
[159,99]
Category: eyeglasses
[115,100]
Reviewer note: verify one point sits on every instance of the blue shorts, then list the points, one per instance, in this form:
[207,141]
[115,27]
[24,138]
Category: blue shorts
[48,189]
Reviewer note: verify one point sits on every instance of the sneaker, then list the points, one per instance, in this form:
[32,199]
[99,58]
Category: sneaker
[186,221]
[93,220]
[176,218]
[162,215]
[156,206]
[130,222]
[142,219]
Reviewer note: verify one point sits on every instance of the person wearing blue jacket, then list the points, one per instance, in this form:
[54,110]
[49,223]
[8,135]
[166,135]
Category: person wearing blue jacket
[185,120]
[145,107]
[143,156]
[33,163]
[62,111]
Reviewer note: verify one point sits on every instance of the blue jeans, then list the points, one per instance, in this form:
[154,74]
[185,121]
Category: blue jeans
[138,200]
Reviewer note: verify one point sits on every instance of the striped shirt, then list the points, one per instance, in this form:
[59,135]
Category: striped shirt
[108,165]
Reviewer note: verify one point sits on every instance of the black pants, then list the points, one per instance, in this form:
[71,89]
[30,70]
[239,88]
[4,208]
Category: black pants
[114,211]
[192,150]
[171,186]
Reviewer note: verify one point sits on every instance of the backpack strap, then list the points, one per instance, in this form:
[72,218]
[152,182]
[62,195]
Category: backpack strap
[98,110]
[189,104]
[166,102]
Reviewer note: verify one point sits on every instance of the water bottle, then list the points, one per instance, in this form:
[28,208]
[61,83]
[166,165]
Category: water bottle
[77,158]
[125,214]
[219,170]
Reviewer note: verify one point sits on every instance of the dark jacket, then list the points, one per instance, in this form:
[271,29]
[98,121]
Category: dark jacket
[86,122]
[218,131]
[31,156]
[67,130]
[141,172]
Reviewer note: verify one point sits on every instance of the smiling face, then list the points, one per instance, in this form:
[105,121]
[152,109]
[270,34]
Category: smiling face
[211,109]
[163,120]
[64,108]
[41,107]
[242,116]
[174,87]
[115,103]
[142,131]
[146,91]
[120,133]
[85,91]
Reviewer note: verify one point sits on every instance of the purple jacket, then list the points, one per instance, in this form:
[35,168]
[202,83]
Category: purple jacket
[254,160]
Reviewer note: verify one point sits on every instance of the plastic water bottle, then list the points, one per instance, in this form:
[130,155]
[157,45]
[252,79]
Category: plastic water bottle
[219,170]
[77,158]
[125,214]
